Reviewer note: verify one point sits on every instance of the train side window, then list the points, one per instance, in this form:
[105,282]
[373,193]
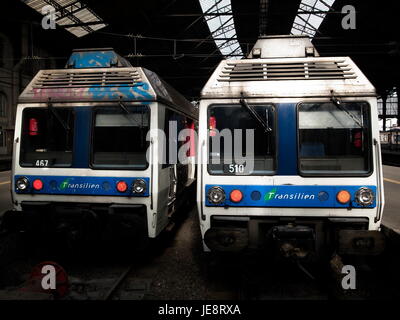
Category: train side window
[173,124]
[47,137]
[334,140]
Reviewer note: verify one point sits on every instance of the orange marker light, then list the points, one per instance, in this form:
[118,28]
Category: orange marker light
[236,196]
[37,184]
[343,197]
[122,186]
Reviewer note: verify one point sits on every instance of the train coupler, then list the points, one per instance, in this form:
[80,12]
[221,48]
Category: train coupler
[294,240]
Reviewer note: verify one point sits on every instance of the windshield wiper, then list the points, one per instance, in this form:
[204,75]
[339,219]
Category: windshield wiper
[341,107]
[57,116]
[134,122]
[126,110]
[255,115]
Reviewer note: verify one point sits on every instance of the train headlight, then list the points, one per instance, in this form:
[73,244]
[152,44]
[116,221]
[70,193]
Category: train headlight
[216,195]
[365,196]
[139,186]
[22,183]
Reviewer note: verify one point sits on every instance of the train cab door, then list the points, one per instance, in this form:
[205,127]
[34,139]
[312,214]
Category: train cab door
[168,174]
[174,174]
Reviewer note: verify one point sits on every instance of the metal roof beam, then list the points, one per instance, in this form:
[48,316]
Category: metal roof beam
[218,12]
[309,25]
[263,23]
[202,16]
[312,13]
[311,10]
[221,28]
[82,24]
[302,29]
[65,13]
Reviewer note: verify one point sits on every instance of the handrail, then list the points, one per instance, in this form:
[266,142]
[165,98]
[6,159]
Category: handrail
[151,172]
[379,181]
[203,217]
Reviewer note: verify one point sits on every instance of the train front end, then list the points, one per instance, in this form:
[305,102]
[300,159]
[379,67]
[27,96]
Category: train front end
[81,162]
[289,154]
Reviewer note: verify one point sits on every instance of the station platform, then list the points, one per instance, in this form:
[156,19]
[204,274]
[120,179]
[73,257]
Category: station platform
[391,157]
[391,214]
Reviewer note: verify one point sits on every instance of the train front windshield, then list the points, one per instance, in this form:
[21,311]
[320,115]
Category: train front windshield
[47,137]
[119,138]
[238,144]
[334,139]
[56,136]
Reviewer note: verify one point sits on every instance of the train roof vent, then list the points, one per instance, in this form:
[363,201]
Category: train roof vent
[316,70]
[96,58]
[77,79]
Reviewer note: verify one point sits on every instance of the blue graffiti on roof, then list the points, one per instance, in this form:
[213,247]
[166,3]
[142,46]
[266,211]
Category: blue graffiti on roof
[92,59]
[140,91]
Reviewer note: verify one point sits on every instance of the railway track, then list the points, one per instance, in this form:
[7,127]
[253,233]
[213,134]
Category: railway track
[258,278]
[117,285]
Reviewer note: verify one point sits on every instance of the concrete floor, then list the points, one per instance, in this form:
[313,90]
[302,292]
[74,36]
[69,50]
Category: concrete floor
[391,215]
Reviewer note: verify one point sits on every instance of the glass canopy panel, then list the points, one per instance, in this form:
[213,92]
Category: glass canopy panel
[218,14]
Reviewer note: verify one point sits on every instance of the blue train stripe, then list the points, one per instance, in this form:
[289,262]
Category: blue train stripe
[77,185]
[290,196]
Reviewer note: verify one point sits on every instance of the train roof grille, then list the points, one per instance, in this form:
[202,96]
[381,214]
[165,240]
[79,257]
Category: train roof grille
[81,79]
[272,71]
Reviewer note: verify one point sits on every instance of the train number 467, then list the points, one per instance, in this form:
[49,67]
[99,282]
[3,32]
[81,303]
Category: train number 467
[42,163]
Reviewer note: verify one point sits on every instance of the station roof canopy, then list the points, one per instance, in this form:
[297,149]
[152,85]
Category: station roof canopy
[75,16]
[184,40]
[310,16]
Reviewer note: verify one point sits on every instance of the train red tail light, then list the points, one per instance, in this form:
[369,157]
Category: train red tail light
[37,184]
[122,186]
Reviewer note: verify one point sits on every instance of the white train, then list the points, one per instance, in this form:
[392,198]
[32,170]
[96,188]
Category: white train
[289,153]
[88,144]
